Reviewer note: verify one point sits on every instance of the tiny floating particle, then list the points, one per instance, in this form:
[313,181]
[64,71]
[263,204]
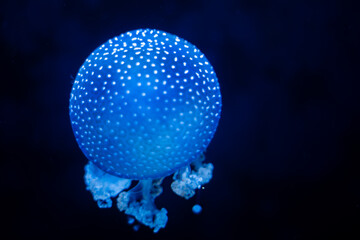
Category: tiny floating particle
[197,209]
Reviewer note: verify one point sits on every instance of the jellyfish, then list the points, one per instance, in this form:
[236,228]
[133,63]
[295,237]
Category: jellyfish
[145,105]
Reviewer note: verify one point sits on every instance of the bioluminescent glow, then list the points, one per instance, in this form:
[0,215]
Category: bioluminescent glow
[145,105]
[197,209]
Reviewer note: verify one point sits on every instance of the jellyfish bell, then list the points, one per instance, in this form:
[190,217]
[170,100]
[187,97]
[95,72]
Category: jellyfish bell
[145,105]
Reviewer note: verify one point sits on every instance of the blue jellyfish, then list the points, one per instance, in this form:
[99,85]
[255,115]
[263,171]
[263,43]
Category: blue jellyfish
[145,105]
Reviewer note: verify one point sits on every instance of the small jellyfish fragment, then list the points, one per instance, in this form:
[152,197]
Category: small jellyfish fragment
[197,209]
[145,105]
[131,220]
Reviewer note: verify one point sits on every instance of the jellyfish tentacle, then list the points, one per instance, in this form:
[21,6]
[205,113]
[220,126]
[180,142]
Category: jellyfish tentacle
[139,203]
[102,185]
[190,178]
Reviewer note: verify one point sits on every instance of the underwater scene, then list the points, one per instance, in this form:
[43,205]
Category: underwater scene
[178,119]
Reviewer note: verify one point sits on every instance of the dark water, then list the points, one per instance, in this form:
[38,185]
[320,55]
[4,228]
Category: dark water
[287,148]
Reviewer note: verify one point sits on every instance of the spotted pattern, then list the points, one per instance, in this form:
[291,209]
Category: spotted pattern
[145,104]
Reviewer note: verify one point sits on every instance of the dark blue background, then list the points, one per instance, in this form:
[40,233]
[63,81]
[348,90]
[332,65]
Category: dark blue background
[286,152]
